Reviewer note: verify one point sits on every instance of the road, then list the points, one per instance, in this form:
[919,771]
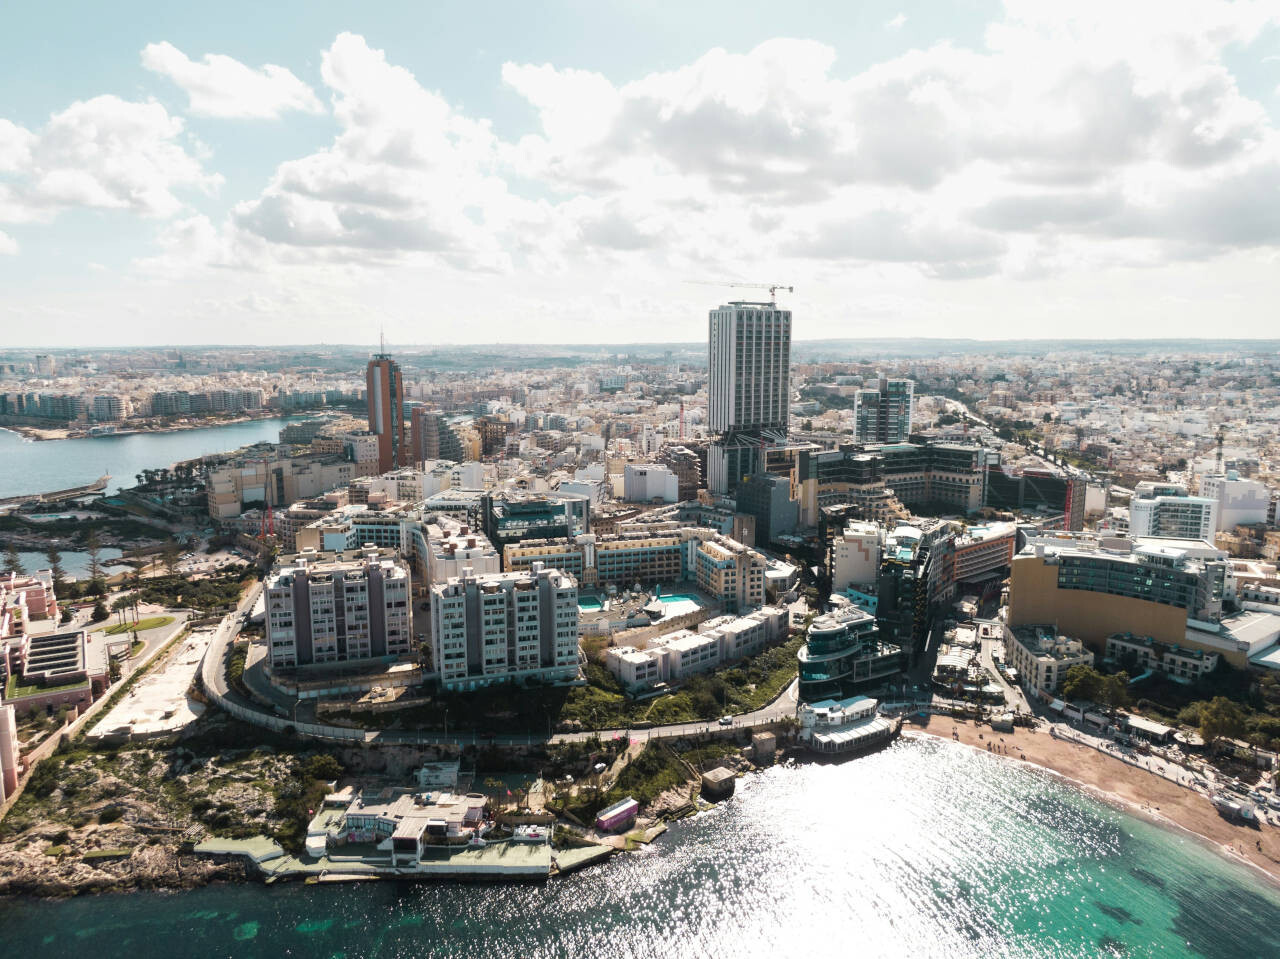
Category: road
[214,676]
[1013,695]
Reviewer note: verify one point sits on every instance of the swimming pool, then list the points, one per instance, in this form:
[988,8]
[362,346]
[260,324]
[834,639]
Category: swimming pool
[674,603]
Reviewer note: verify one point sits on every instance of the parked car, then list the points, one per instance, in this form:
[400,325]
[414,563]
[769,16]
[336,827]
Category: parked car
[726,720]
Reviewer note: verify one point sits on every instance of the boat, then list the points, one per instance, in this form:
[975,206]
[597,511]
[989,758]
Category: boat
[841,728]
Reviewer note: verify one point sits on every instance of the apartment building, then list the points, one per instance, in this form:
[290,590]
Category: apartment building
[1042,656]
[1141,654]
[1167,511]
[730,573]
[882,413]
[678,655]
[505,627]
[855,556]
[25,597]
[339,606]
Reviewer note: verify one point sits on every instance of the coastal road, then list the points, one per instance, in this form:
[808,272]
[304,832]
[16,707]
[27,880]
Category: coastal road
[214,675]
[780,708]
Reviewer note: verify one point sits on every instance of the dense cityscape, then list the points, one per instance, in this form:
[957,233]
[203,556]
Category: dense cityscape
[563,480]
[629,549]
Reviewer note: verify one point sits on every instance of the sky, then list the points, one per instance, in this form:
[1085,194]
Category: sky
[576,171]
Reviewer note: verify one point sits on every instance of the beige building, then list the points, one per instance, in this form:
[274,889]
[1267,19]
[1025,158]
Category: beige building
[1042,656]
[275,478]
[855,556]
[730,573]
[1094,587]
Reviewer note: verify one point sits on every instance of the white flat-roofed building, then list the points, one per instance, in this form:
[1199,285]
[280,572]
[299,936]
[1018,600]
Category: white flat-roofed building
[855,556]
[1175,517]
[453,547]
[500,627]
[647,482]
[328,607]
[1042,657]
[1142,654]
[677,655]
[1241,502]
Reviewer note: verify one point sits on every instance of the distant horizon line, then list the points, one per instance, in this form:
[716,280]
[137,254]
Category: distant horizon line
[655,343]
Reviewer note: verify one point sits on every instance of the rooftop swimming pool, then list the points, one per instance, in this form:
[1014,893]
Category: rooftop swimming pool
[674,603]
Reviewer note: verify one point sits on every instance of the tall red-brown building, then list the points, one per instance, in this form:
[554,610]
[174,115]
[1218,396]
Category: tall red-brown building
[386,411]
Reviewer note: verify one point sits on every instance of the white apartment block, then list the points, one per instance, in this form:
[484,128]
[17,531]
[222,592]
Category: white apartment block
[500,627]
[1173,517]
[855,556]
[676,656]
[1240,501]
[644,483]
[335,607]
[453,548]
[1042,657]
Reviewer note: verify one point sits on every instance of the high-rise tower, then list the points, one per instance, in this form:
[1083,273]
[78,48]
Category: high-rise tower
[749,390]
[386,411]
[882,413]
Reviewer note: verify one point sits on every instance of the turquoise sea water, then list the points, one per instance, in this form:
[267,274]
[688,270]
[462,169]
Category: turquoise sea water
[927,849]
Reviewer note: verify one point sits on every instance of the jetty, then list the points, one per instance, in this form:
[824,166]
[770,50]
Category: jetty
[74,492]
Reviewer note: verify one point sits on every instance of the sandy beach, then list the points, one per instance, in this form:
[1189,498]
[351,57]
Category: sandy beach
[1137,790]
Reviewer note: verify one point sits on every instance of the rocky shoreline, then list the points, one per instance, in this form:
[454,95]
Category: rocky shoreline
[152,868]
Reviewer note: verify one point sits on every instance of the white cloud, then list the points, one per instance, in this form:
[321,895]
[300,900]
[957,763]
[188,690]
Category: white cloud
[8,245]
[407,174]
[896,23]
[104,153]
[220,86]
[1071,145]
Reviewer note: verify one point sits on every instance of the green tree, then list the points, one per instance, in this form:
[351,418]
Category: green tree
[1219,718]
[1190,714]
[1082,682]
[66,615]
[12,561]
[93,547]
[169,554]
[99,612]
[1114,690]
[54,558]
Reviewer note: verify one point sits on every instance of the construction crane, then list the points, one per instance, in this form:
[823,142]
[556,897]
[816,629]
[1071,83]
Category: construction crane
[771,287]
[268,527]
